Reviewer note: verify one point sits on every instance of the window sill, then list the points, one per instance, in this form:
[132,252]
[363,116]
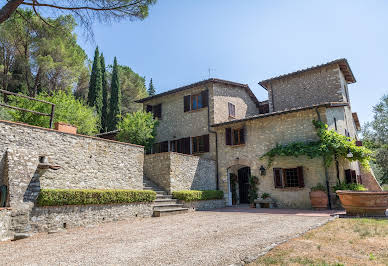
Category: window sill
[199,153]
[291,188]
[238,145]
[196,110]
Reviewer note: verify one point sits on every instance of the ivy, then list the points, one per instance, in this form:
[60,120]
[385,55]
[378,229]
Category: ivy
[330,145]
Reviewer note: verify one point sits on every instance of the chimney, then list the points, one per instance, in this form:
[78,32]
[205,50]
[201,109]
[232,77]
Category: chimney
[66,128]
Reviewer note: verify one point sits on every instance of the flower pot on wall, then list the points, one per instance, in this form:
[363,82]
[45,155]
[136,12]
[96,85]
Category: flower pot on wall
[318,199]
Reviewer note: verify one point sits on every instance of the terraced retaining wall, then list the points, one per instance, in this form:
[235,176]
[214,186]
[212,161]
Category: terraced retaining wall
[175,171]
[5,224]
[202,205]
[53,218]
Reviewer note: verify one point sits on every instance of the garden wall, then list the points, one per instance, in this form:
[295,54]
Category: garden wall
[5,224]
[175,171]
[203,205]
[53,218]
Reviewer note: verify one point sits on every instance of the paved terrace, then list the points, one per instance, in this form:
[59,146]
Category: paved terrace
[218,237]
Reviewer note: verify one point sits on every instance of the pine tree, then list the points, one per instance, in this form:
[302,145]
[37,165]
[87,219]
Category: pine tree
[104,111]
[92,83]
[151,89]
[115,99]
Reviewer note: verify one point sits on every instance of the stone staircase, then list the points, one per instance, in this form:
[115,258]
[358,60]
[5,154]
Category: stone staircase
[164,204]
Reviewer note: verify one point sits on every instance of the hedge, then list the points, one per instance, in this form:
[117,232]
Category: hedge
[59,197]
[192,195]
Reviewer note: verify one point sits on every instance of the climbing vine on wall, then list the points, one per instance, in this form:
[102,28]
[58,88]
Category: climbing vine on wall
[330,145]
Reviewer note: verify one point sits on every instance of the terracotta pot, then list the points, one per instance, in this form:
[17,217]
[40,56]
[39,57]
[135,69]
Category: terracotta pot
[318,199]
[364,203]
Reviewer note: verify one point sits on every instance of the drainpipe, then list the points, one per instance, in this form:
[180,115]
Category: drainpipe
[212,131]
[326,170]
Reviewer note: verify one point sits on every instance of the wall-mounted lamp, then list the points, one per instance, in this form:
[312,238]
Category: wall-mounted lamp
[262,170]
[350,154]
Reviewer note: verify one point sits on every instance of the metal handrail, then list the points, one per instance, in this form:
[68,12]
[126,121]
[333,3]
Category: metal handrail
[51,115]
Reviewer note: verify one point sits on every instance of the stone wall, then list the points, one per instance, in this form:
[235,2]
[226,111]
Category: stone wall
[174,171]
[203,205]
[56,218]
[308,88]
[5,224]
[85,162]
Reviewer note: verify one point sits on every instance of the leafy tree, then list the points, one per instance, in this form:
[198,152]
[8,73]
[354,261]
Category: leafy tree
[115,99]
[67,109]
[86,12]
[375,137]
[96,71]
[35,57]
[138,128]
[104,111]
[151,89]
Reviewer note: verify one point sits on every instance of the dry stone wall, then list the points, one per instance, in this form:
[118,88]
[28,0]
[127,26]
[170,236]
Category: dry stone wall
[203,205]
[5,224]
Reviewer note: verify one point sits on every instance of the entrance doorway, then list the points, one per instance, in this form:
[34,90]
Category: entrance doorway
[243,183]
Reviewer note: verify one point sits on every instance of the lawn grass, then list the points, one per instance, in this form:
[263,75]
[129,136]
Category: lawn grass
[340,242]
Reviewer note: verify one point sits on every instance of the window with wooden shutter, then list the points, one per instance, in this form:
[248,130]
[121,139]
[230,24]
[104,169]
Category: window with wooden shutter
[242,135]
[228,136]
[300,176]
[278,179]
[200,144]
[207,143]
[186,145]
[348,176]
[186,103]
[238,137]
[164,146]
[205,98]
[232,110]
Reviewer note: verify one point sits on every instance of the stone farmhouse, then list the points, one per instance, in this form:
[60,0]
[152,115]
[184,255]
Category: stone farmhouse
[223,122]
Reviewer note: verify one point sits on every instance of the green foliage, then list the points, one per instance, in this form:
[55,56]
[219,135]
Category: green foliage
[67,109]
[352,186]
[104,110]
[330,144]
[59,197]
[265,195]
[115,99]
[138,128]
[95,96]
[193,195]
[319,187]
[151,89]
[252,193]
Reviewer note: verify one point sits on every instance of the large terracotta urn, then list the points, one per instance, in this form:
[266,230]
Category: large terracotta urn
[364,203]
[318,199]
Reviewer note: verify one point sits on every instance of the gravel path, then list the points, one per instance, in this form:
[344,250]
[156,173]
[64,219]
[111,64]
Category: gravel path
[219,237]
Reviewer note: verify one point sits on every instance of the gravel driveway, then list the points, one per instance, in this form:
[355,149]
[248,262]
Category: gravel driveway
[219,237]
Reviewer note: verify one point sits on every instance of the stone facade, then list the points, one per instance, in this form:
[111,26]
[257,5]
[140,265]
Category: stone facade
[84,162]
[174,171]
[5,224]
[45,219]
[203,205]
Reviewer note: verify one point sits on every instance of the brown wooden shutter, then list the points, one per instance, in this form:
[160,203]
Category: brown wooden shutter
[186,103]
[300,176]
[206,143]
[242,135]
[228,136]
[186,145]
[205,98]
[278,179]
[348,176]
[149,108]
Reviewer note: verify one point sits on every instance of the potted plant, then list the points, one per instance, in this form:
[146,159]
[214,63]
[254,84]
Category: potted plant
[265,195]
[252,194]
[318,197]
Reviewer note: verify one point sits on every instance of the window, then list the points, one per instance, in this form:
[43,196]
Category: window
[289,177]
[196,101]
[156,110]
[200,144]
[235,136]
[180,145]
[160,147]
[232,110]
[350,176]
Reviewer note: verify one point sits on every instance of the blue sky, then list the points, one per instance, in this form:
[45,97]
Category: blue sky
[250,40]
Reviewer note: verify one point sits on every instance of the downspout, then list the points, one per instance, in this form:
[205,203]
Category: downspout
[326,170]
[212,131]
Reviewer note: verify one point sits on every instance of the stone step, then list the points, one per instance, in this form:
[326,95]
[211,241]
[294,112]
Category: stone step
[171,211]
[168,206]
[160,196]
[160,201]
[160,192]
[152,188]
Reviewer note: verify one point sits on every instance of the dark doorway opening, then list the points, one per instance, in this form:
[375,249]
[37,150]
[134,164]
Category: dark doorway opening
[243,183]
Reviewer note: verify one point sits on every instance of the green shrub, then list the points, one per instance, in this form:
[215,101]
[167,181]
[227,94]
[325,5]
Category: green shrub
[59,197]
[319,187]
[192,195]
[353,187]
[265,195]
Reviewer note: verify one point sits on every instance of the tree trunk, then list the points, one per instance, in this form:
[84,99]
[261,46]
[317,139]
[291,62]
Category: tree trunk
[7,10]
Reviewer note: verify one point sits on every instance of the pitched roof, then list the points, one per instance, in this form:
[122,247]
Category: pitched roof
[356,121]
[342,63]
[328,104]
[221,81]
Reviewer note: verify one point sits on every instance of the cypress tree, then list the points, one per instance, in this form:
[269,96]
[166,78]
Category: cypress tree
[151,89]
[92,82]
[115,99]
[104,111]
